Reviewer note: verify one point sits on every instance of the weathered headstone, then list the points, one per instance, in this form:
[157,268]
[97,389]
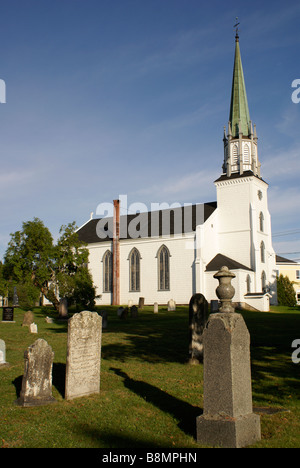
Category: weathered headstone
[37,379]
[155,308]
[198,316]
[130,303]
[141,303]
[228,419]
[33,328]
[3,362]
[49,319]
[120,311]
[28,318]
[171,305]
[63,308]
[83,355]
[8,314]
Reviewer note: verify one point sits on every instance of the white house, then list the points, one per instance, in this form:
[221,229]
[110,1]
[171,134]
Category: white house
[174,253]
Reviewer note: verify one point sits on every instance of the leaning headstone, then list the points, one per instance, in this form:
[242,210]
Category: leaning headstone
[198,316]
[155,308]
[63,309]
[28,319]
[3,362]
[141,303]
[33,328]
[83,355]
[37,379]
[228,419]
[171,305]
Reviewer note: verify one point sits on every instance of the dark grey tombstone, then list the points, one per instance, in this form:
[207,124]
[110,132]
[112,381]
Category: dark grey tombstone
[37,379]
[124,313]
[134,311]
[104,316]
[63,309]
[198,316]
[8,314]
[141,303]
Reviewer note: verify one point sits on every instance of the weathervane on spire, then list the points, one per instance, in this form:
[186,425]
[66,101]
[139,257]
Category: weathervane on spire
[236,27]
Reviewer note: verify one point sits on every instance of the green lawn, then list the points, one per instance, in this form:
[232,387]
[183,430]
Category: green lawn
[150,397]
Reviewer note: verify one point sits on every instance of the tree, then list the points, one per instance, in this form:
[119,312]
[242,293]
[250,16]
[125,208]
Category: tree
[285,291]
[33,261]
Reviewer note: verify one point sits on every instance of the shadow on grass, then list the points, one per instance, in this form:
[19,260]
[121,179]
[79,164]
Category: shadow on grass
[183,412]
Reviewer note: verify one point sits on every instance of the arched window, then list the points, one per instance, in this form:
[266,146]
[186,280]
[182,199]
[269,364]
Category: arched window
[261,222]
[163,257]
[248,281]
[263,281]
[262,252]
[134,270]
[246,154]
[235,154]
[107,271]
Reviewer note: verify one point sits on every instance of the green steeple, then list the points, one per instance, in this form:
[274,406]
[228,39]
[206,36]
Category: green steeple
[239,117]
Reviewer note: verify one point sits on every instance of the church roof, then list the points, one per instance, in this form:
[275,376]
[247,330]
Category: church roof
[150,224]
[221,260]
[239,116]
[280,259]
[237,175]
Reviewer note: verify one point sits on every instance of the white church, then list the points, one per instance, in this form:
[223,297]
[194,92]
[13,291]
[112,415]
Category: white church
[174,253]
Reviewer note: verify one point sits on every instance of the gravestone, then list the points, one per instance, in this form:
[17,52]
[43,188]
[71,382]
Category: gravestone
[134,311]
[28,319]
[104,316]
[130,303]
[49,320]
[83,355]
[171,305]
[3,362]
[120,311]
[8,314]
[141,303]
[37,379]
[63,308]
[228,419]
[214,306]
[33,328]
[124,313]
[155,308]
[198,316]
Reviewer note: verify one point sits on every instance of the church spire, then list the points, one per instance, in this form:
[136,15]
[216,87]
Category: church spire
[239,117]
[240,146]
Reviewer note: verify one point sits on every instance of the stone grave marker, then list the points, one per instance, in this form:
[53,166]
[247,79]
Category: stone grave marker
[141,303]
[3,362]
[28,319]
[171,305]
[198,315]
[37,379]
[63,308]
[120,311]
[8,314]
[83,355]
[155,308]
[33,328]
[104,316]
[134,312]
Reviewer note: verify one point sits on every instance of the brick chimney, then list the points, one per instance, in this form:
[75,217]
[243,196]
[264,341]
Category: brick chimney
[116,254]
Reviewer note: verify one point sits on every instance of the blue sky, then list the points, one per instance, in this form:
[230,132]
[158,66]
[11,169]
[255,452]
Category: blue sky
[113,97]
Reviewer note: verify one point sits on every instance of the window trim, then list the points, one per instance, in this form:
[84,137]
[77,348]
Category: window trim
[107,253]
[167,252]
[134,251]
